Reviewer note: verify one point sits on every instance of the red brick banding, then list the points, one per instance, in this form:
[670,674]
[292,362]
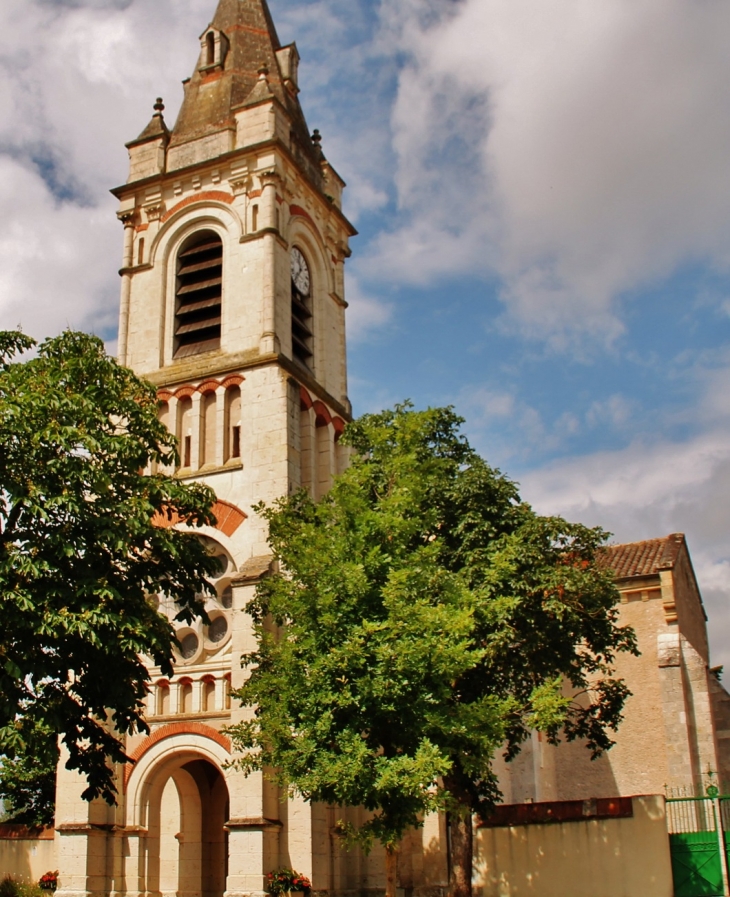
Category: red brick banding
[306,399]
[298,211]
[169,731]
[204,196]
[228,518]
[323,416]
[339,426]
[185,392]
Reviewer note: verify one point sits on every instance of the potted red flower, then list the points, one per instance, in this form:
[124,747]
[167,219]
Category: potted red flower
[49,881]
[287,882]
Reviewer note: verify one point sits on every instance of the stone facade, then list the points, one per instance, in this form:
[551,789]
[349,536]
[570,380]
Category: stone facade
[251,372]
[232,304]
[677,720]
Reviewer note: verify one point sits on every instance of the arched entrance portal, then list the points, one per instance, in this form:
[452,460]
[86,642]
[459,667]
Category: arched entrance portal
[186,845]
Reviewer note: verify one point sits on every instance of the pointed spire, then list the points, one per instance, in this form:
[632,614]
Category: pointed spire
[213,93]
[156,128]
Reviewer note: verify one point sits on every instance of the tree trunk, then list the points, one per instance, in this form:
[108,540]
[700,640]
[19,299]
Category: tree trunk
[462,848]
[461,838]
[391,870]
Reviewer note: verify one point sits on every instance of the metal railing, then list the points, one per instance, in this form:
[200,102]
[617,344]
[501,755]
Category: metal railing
[689,815]
[692,814]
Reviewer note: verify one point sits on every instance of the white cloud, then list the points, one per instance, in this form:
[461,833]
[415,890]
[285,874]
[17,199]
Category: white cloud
[576,149]
[366,313]
[54,257]
[72,77]
[70,95]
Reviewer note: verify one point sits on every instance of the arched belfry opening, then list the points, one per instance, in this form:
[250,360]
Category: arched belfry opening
[198,294]
[186,808]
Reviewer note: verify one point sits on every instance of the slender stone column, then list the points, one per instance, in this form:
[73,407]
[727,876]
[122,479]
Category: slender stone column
[196,432]
[221,431]
[127,219]
[269,339]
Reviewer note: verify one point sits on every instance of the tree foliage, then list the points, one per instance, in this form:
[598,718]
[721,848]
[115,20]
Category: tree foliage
[28,777]
[80,553]
[424,617]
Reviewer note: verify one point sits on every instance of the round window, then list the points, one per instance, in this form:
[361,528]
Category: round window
[227,598]
[189,646]
[218,629]
[222,561]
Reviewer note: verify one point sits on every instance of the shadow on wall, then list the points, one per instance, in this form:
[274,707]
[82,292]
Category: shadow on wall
[26,854]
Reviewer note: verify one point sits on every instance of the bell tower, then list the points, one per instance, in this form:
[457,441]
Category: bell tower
[232,304]
[234,253]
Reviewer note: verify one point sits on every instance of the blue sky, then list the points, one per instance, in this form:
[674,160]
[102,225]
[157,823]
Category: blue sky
[543,198]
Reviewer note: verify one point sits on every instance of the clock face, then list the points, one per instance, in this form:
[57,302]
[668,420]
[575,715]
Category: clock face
[300,272]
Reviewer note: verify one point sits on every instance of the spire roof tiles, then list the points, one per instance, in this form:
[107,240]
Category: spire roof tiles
[215,92]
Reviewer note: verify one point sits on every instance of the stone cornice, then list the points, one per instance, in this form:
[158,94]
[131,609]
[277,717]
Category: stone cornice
[212,164]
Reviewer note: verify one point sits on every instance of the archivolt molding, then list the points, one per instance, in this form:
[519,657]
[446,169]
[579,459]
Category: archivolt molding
[206,196]
[323,416]
[303,231]
[228,518]
[170,747]
[298,212]
[187,217]
[305,398]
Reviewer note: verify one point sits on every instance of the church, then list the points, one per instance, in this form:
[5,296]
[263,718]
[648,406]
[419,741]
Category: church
[233,305]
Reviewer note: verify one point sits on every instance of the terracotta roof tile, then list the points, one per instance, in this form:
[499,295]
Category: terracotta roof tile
[644,558]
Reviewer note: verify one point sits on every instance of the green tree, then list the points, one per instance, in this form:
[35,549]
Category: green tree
[424,618]
[28,777]
[80,553]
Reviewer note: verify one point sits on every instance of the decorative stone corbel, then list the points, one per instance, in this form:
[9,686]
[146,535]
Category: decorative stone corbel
[154,213]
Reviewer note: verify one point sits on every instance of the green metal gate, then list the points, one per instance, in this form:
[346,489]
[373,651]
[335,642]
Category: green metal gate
[699,841]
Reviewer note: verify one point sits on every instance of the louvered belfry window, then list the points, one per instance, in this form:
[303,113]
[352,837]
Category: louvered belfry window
[301,308]
[198,295]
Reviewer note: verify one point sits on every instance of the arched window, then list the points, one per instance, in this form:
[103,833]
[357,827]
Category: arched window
[210,48]
[208,420]
[208,694]
[185,431]
[233,423]
[186,696]
[198,295]
[301,308]
[163,699]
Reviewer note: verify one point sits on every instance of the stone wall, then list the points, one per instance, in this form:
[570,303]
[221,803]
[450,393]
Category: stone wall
[591,857]
[26,854]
